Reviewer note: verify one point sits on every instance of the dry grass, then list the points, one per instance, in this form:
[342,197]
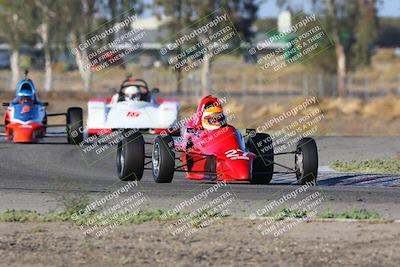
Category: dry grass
[387,107]
[343,116]
[342,105]
[383,107]
[271,110]
[234,106]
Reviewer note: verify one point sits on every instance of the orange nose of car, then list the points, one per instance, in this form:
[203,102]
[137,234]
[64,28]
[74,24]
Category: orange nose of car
[25,133]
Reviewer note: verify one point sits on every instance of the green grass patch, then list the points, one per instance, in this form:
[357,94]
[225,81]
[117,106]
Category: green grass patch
[201,216]
[369,166]
[286,213]
[91,218]
[356,214]
[73,205]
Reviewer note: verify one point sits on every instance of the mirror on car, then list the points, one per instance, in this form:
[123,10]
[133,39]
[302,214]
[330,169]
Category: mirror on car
[45,104]
[155,90]
[190,130]
[6,104]
[250,132]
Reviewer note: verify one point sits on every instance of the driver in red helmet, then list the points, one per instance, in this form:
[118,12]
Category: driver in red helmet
[212,118]
[209,115]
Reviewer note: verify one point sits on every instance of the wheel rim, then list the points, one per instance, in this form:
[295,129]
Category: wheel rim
[156,159]
[299,163]
[121,159]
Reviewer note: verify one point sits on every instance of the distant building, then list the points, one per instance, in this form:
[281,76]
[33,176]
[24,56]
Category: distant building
[4,56]
[284,21]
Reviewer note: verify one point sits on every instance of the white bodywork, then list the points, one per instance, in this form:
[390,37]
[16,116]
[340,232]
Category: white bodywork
[131,114]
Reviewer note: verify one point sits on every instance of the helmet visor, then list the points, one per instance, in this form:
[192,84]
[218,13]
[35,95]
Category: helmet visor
[215,119]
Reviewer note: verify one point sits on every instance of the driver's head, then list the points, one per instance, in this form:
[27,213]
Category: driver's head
[25,96]
[213,117]
[132,92]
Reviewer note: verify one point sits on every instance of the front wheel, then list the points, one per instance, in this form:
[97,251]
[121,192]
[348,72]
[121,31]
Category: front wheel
[74,125]
[263,166]
[130,156]
[163,159]
[306,161]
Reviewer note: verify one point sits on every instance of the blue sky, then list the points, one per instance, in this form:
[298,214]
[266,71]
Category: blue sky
[387,8]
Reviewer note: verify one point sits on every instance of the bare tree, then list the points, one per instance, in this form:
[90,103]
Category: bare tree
[187,15]
[46,22]
[79,18]
[339,48]
[12,28]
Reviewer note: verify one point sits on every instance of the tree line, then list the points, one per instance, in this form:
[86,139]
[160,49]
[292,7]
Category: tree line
[61,25]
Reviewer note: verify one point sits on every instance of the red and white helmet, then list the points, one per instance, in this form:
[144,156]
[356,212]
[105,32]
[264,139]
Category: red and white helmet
[212,118]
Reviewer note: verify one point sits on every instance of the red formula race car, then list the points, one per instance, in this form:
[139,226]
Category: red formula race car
[211,149]
[26,117]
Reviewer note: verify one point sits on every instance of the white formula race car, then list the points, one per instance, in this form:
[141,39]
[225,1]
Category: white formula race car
[133,107]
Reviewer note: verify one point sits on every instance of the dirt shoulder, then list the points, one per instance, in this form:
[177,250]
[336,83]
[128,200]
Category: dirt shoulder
[228,242]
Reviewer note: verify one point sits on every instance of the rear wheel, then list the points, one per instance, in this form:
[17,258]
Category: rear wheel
[130,156]
[11,136]
[163,159]
[306,161]
[263,166]
[74,125]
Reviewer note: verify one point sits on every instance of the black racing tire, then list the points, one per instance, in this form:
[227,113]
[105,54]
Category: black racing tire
[74,125]
[11,136]
[263,166]
[306,161]
[176,133]
[163,159]
[130,156]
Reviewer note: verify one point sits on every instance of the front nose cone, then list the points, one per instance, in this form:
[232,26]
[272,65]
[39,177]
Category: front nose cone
[239,170]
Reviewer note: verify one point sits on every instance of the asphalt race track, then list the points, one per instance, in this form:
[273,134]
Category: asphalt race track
[39,176]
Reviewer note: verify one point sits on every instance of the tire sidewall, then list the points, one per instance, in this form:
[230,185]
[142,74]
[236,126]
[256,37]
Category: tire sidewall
[264,164]
[166,164]
[308,149]
[75,124]
[131,147]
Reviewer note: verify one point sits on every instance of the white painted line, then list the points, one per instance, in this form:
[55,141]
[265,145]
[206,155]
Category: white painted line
[326,169]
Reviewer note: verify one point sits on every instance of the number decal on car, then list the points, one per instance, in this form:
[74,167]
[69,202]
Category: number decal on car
[235,154]
[25,109]
[133,114]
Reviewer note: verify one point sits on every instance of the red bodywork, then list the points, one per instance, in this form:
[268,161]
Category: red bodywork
[25,133]
[30,132]
[217,154]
